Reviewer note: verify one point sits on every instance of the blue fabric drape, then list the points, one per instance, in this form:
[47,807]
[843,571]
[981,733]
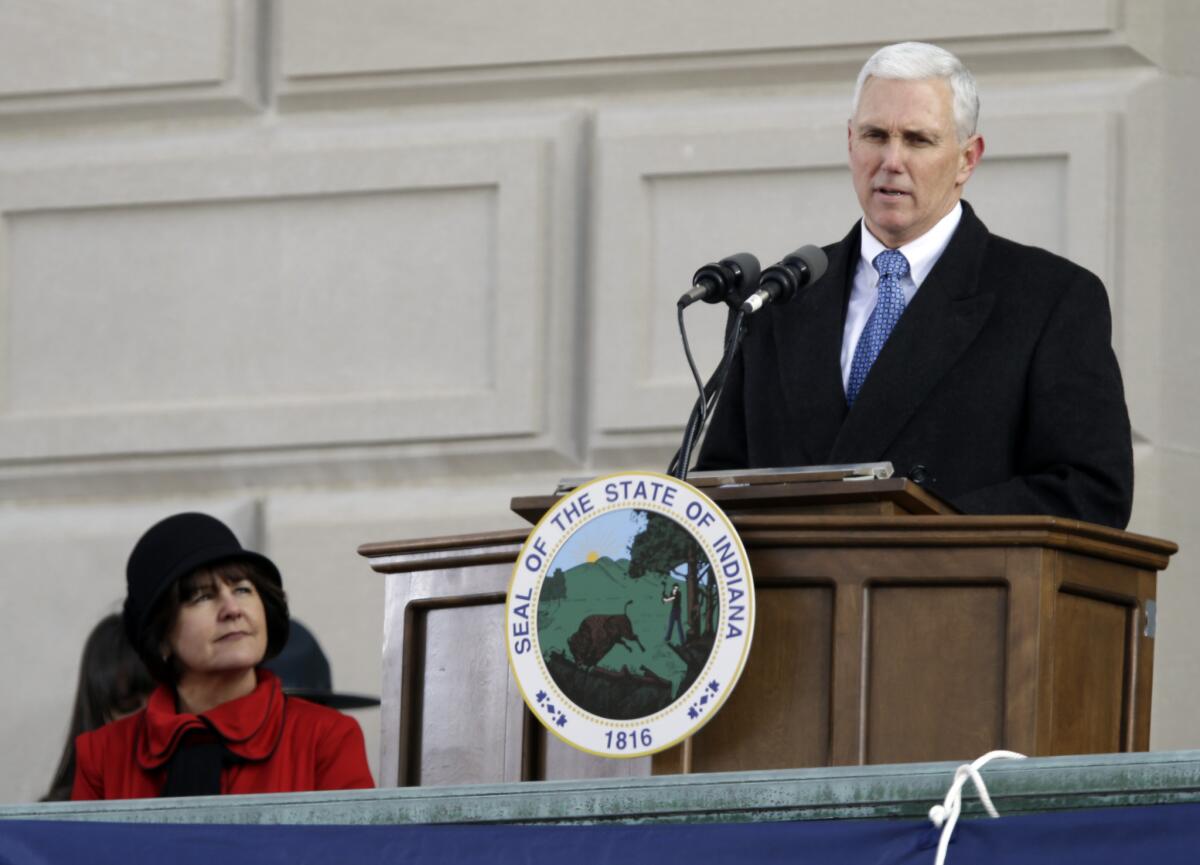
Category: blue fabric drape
[1163,834]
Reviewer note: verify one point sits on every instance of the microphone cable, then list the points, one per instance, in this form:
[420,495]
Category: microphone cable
[710,392]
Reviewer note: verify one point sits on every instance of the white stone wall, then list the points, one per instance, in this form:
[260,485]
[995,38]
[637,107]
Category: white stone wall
[355,272]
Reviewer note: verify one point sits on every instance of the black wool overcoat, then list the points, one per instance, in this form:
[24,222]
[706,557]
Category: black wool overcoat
[998,389]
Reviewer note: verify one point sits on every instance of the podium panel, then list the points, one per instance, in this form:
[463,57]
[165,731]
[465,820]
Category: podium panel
[1091,646]
[459,693]
[935,659]
[792,727]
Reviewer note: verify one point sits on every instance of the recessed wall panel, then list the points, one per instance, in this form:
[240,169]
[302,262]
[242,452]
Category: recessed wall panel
[242,301]
[318,39]
[319,290]
[115,44]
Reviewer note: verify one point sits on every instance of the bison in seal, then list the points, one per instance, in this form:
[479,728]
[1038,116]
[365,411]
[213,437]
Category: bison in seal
[598,633]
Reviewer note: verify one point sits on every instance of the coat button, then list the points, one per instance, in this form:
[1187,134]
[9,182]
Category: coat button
[919,474]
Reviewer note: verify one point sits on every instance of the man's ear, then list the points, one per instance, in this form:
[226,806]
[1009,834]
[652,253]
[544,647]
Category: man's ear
[969,157]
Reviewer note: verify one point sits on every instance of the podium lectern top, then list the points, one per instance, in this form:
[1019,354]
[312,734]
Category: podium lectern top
[797,494]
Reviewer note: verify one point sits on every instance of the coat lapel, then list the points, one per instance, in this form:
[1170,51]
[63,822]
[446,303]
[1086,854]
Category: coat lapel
[808,343]
[943,319]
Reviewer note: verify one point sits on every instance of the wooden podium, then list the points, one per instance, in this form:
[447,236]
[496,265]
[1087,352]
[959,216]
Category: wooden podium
[889,629]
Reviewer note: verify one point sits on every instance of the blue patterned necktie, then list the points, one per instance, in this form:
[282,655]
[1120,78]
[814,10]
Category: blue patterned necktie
[892,267]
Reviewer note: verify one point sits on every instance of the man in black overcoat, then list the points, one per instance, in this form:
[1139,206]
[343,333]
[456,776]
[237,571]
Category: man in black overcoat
[981,368]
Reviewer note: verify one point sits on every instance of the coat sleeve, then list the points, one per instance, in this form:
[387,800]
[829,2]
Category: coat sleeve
[1075,456]
[88,784]
[342,758]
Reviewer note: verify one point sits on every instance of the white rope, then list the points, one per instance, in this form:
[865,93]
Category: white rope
[945,816]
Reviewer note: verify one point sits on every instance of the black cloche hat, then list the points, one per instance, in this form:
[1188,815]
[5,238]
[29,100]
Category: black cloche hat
[173,548]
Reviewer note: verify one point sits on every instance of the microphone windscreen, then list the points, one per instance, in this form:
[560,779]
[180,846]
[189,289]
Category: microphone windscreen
[750,272]
[814,259]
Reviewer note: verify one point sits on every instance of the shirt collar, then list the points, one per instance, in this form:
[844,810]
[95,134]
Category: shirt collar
[922,253]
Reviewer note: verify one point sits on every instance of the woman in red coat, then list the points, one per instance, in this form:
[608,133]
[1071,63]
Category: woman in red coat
[204,613]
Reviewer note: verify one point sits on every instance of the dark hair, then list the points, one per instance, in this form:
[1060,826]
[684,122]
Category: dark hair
[166,609]
[113,682]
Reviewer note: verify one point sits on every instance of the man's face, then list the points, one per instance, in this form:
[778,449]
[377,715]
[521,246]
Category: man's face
[908,165]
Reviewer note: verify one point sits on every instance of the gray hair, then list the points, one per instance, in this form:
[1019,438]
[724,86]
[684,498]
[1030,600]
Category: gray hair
[916,61]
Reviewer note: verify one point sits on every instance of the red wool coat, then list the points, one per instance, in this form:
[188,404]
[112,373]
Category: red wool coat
[285,745]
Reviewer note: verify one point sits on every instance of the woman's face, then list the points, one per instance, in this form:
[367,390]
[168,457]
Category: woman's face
[221,627]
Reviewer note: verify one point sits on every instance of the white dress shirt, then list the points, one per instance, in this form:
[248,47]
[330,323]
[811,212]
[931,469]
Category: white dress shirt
[922,255]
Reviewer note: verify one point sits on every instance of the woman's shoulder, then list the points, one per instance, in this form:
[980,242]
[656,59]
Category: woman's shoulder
[121,730]
[300,710]
[97,746]
[336,743]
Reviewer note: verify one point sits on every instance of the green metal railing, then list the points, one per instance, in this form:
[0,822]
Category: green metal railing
[857,792]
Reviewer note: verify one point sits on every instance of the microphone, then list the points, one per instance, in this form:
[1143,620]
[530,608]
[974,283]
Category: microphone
[724,280]
[781,281]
